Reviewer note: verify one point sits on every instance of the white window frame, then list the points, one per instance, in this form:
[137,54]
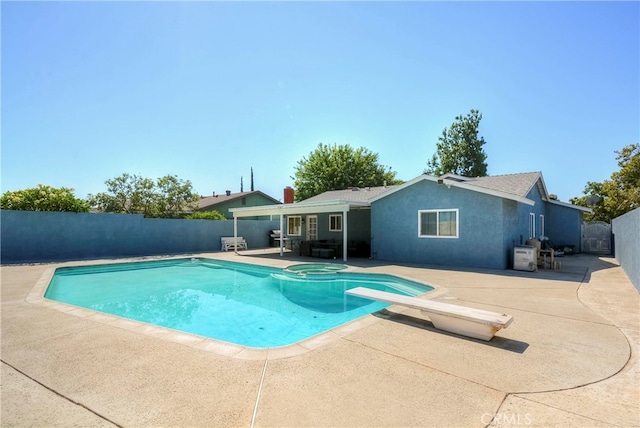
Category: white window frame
[335,222]
[532,225]
[438,212]
[294,225]
[542,225]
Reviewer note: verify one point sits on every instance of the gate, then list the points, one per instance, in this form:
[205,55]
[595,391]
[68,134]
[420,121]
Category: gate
[596,237]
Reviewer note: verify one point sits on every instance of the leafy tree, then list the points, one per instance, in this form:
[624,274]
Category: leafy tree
[459,150]
[167,197]
[206,215]
[618,195]
[338,167]
[128,194]
[43,198]
[174,196]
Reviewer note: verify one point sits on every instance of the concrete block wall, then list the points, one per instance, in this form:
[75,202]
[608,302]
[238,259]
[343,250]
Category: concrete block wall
[36,236]
[626,234]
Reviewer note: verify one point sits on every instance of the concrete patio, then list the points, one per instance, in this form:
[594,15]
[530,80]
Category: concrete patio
[570,359]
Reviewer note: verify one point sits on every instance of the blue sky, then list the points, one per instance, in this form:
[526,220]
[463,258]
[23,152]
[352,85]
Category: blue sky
[208,90]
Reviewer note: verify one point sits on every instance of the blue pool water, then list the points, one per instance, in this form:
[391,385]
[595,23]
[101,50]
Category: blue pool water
[255,306]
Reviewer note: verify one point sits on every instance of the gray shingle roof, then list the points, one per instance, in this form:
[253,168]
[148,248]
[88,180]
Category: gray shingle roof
[516,184]
[362,194]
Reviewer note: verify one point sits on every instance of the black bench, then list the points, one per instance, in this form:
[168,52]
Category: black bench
[327,253]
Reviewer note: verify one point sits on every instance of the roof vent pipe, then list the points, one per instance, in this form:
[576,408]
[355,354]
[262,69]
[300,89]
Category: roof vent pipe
[228,192]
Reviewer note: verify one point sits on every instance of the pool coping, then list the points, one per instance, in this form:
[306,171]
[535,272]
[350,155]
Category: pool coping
[381,375]
[226,349]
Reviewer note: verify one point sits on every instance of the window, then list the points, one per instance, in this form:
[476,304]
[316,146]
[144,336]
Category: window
[438,223]
[532,225]
[335,223]
[244,201]
[541,225]
[294,225]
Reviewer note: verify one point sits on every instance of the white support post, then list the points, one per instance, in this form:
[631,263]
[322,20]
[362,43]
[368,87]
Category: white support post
[235,234]
[281,235]
[344,235]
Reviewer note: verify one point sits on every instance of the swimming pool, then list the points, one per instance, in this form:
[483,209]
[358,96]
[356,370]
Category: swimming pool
[249,305]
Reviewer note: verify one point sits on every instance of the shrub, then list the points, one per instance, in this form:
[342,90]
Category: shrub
[206,215]
[43,198]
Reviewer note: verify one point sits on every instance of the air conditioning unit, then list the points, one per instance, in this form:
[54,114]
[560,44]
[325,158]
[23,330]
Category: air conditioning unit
[524,258]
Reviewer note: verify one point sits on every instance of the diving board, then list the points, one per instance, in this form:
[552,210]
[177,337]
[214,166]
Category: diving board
[476,323]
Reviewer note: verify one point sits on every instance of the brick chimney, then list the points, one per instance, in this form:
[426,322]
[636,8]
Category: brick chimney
[288,195]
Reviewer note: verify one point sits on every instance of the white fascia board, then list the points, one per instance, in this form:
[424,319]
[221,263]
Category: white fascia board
[545,194]
[454,183]
[568,205]
[492,192]
[540,183]
[404,186]
[297,208]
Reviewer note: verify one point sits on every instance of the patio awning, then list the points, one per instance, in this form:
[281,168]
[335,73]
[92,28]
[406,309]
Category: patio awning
[300,208]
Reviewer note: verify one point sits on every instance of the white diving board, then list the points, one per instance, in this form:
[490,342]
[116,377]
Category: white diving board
[471,322]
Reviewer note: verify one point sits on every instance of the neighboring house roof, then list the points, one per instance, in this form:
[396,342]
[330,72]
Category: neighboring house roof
[212,201]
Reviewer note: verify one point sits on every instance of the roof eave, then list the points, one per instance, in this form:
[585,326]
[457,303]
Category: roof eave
[544,191]
[298,208]
[568,205]
[455,183]
[403,186]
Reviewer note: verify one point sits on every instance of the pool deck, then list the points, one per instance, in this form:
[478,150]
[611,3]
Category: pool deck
[569,359]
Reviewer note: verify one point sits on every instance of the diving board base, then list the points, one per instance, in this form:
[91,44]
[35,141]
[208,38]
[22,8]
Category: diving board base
[462,327]
[471,322]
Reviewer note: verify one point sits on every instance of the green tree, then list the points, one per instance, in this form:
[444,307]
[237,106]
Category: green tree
[167,197]
[459,150]
[338,167]
[174,196]
[43,198]
[618,195]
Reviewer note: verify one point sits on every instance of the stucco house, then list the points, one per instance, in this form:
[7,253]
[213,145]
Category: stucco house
[448,220]
[222,203]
